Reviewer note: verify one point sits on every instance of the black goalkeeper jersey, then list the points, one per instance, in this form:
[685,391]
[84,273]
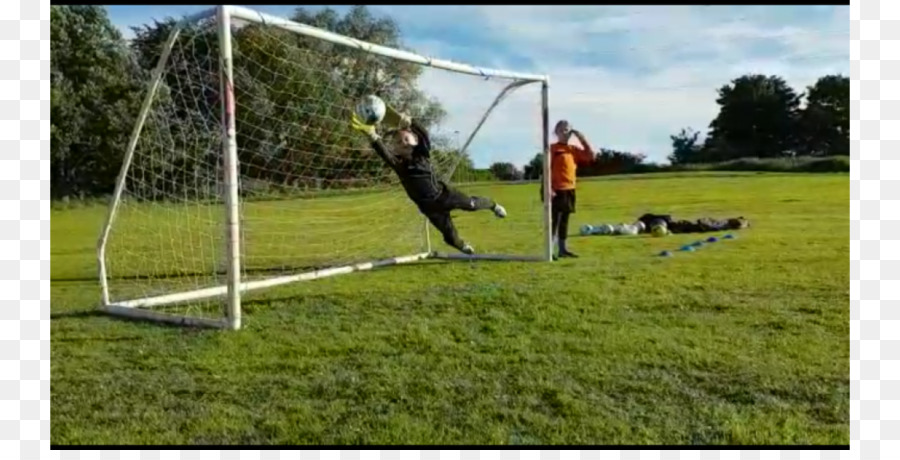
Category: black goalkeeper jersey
[416,173]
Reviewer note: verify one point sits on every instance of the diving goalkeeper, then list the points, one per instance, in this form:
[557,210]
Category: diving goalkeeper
[408,153]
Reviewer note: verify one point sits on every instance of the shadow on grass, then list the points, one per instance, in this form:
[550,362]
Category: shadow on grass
[96,313]
[132,338]
[77,314]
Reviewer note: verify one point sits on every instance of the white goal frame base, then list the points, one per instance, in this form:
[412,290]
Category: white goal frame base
[141,308]
[231,291]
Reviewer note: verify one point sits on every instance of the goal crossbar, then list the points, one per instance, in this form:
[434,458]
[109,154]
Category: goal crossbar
[309,31]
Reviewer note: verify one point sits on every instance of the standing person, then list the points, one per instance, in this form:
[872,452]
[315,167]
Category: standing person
[564,162]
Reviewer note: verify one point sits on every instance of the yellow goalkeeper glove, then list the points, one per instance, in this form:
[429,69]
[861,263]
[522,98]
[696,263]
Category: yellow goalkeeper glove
[395,119]
[358,125]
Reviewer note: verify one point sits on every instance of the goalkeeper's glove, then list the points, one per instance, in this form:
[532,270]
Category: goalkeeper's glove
[368,130]
[396,119]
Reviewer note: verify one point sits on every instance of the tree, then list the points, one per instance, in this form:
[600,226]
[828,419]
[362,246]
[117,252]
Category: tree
[609,161]
[446,159]
[685,148]
[93,100]
[535,168]
[757,118]
[506,171]
[180,140]
[825,122]
[363,73]
[293,94]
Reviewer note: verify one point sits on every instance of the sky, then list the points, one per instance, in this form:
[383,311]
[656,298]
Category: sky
[627,77]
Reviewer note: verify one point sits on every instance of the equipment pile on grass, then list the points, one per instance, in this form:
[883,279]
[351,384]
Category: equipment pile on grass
[664,224]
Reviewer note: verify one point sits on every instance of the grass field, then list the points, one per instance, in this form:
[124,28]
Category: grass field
[742,342]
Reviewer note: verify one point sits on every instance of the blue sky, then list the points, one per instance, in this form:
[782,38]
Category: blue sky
[626,76]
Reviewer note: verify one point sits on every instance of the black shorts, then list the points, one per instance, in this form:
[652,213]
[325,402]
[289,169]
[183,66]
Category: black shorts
[449,199]
[564,201]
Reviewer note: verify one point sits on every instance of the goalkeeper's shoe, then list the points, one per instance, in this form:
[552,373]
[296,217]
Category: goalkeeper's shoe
[499,211]
[468,249]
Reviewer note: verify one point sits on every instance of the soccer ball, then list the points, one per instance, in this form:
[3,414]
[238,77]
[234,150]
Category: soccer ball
[659,230]
[604,229]
[371,109]
[586,230]
[621,229]
[640,226]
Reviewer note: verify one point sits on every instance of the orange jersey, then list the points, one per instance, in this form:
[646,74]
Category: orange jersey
[564,161]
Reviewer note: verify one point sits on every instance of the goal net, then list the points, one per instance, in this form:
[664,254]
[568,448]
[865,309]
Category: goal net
[243,172]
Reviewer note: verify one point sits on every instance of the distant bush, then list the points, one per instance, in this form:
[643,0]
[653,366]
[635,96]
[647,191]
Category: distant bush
[832,164]
[645,168]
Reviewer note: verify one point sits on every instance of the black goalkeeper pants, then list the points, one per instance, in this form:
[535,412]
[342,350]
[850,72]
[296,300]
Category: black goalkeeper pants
[438,212]
[563,206]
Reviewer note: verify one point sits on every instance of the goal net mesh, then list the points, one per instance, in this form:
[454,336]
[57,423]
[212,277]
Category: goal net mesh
[313,194]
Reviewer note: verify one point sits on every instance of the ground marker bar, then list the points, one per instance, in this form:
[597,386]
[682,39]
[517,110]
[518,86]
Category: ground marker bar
[134,308]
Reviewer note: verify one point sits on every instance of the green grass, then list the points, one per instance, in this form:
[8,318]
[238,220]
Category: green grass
[742,342]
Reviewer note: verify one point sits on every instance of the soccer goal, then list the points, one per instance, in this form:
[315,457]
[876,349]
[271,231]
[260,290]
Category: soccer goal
[242,172]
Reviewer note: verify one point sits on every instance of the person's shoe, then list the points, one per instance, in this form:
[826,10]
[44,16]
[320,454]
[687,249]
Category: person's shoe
[468,249]
[499,211]
[568,254]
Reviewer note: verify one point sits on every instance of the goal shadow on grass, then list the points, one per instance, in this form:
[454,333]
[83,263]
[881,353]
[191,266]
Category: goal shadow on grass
[94,313]
[76,314]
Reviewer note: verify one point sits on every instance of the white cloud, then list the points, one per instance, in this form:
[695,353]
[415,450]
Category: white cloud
[666,64]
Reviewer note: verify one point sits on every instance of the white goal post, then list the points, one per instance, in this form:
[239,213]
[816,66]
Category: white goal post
[177,228]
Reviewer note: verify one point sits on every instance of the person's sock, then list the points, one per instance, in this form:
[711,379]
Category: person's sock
[562,246]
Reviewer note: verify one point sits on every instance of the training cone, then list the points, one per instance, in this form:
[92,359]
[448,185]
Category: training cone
[729,236]
[665,254]
[687,248]
[712,239]
[697,244]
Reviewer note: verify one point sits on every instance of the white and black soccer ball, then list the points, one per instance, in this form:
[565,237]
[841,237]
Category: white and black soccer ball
[371,109]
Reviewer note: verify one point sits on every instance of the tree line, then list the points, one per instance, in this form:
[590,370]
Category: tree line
[760,118]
